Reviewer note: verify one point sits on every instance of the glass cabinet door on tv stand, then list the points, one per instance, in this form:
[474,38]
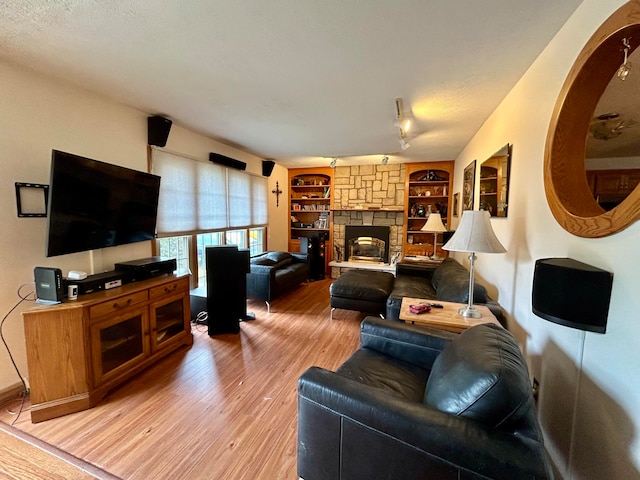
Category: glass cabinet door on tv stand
[118,343]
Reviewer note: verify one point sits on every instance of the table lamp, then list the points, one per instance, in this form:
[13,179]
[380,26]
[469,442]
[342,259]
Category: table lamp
[474,234]
[434,224]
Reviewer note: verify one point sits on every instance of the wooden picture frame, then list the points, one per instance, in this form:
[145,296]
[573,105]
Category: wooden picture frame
[468,186]
[456,203]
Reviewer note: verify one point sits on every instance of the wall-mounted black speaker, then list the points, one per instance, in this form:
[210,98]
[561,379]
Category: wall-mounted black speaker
[48,284]
[227,161]
[158,130]
[267,167]
[572,293]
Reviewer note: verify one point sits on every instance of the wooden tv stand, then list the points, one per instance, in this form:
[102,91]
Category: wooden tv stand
[79,350]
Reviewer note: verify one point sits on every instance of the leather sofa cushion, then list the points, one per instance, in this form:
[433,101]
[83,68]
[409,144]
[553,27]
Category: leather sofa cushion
[273,259]
[414,287]
[363,284]
[401,379]
[451,282]
[482,375]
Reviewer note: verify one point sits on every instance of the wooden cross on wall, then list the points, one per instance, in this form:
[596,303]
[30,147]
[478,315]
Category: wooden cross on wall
[277,192]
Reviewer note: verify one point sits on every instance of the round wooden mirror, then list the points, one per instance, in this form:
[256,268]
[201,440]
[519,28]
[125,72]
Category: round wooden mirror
[569,195]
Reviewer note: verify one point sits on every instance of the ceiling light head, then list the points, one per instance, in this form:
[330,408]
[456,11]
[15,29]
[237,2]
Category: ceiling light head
[404,124]
[402,121]
[403,144]
[625,68]
[385,160]
[333,162]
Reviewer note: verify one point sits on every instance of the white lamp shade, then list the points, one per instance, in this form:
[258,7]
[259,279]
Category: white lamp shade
[474,234]
[434,224]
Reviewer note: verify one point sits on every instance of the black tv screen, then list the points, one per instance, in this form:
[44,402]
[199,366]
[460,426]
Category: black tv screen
[95,205]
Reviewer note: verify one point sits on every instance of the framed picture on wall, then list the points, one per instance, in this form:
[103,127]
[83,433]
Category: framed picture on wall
[468,186]
[456,203]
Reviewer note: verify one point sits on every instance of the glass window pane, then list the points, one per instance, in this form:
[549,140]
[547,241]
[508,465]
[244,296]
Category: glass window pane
[256,241]
[203,241]
[178,248]
[237,237]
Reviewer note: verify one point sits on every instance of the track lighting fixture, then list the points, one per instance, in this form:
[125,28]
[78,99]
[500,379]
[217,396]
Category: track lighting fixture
[333,162]
[403,144]
[625,68]
[403,122]
[385,160]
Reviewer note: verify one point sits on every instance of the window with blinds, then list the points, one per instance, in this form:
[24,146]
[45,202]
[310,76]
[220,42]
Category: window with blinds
[198,197]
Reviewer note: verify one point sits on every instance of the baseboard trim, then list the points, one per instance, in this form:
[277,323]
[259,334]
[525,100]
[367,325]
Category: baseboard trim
[11,392]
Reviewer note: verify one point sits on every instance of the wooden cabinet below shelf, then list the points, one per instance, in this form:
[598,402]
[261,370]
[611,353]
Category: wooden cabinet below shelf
[79,350]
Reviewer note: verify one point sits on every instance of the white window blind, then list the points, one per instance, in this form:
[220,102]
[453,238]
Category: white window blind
[247,199]
[198,196]
[259,201]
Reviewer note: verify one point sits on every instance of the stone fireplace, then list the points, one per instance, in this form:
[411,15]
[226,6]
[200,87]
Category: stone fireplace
[367,196]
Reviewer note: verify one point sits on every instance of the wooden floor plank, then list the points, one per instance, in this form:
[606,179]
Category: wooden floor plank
[226,408]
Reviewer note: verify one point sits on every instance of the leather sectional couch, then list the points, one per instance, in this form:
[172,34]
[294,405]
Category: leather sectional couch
[274,273]
[413,402]
[448,282]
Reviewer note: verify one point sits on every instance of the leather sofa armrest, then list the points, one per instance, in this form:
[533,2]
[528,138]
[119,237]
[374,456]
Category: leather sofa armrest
[262,269]
[259,281]
[414,344]
[299,257]
[435,438]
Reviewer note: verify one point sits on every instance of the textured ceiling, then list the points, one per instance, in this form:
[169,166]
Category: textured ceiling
[294,80]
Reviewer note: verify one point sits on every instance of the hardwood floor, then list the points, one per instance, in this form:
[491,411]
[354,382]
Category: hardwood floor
[224,409]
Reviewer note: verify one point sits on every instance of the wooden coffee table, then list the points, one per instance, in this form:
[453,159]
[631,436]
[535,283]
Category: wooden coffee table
[445,318]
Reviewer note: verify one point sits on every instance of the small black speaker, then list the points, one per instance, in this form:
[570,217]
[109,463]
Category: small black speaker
[267,167]
[571,293]
[48,284]
[227,161]
[159,128]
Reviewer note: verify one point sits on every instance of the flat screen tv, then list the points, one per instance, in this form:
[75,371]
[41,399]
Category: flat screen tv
[95,205]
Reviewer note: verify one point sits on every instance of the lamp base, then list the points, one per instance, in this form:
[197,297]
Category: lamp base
[469,312]
[436,257]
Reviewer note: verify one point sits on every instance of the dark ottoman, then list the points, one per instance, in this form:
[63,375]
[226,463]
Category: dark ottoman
[361,290]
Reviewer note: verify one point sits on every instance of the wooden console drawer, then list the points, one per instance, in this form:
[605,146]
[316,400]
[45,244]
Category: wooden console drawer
[169,288]
[117,304]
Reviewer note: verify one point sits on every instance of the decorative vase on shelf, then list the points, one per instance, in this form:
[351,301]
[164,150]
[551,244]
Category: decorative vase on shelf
[420,211]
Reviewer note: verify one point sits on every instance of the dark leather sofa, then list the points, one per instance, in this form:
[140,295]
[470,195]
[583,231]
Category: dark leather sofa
[448,282]
[274,273]
[417,403]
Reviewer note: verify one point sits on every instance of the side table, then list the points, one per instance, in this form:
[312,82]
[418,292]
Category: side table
[445,318]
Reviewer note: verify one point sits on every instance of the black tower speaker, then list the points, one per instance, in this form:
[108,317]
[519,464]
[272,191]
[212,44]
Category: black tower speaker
[158,130]
[227,269]
[227,161]
[48,284]
[572,293]
[267,167]
[314,247]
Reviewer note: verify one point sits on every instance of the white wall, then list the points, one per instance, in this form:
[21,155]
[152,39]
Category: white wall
[600,439]
[37,115]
